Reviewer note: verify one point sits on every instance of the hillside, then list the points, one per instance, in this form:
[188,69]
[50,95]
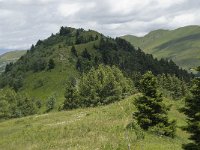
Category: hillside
[182,45]
[31,73]
[102,127]
[9,57]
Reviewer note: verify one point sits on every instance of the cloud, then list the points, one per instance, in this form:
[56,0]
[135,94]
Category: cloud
[23,22]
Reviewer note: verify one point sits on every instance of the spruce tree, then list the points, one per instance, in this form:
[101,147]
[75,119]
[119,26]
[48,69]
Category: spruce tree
[51,64]
[71,96]
[152,112]
[73,51]
[192,111]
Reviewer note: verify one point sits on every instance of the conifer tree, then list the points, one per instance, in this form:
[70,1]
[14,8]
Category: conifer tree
[51,64]
[192,111]
[152,112]
[73,51]
[71,96]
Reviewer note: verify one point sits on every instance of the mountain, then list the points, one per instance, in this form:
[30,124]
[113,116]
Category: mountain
[45,68]
[104,127]
[9,57]
[182,45]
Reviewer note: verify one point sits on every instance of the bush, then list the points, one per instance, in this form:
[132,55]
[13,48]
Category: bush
[51,103]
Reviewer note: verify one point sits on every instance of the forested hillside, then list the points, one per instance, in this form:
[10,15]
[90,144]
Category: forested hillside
[44,69]
[181,45]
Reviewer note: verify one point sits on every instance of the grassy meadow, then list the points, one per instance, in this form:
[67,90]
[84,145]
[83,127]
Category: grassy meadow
[100,128]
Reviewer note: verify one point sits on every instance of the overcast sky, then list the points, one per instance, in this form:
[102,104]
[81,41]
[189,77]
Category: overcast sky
[23,22]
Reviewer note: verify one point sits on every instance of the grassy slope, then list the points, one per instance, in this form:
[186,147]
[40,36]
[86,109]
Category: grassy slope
[10,57]
[181,45]
[86,129]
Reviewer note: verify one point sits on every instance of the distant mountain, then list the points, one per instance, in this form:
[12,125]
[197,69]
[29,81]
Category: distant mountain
[182,45]
[9,57]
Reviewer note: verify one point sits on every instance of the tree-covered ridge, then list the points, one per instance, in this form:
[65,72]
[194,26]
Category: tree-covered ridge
[84,50]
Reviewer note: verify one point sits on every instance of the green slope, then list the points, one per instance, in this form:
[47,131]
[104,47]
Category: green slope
[87,129]
[182,45]
[9,57]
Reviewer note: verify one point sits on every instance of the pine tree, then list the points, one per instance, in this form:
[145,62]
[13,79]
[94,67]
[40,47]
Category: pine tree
[73,51]
[51,64]
[71,96]
[192,111]
[152,112]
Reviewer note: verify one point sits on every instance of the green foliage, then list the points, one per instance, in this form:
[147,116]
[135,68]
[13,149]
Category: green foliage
[50,104]
[38,104]
[103,86]
[64,31]
[174,87]
[73,51]
[99,86]
[51,64]
[13,105]
[152,112]
[71,96]
[38,64]
[192,111]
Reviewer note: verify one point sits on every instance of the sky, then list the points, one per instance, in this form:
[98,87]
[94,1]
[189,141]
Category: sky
[24,22]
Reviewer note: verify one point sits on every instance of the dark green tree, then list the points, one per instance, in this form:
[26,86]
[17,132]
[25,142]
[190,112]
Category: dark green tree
[152,112]
[85,54]
[73,51]
[51,103]
[192,111]
[71,96]
[51,64]
[103,85]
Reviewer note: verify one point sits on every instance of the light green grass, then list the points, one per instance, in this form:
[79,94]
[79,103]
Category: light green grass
[87,129]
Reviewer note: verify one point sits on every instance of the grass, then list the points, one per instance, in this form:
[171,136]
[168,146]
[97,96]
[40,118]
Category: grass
[102,127]
[181,45]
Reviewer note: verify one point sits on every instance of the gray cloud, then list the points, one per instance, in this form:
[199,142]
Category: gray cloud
[23,22]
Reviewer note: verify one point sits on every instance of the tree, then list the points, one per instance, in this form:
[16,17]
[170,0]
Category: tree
[103,85]
[25,106]
[8,67]
[14,105]
[32,48]
[51,64]
[71,96]
[192,111]
[85,54]
[51,103]
[73,51]
[152,112]
[64,31]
